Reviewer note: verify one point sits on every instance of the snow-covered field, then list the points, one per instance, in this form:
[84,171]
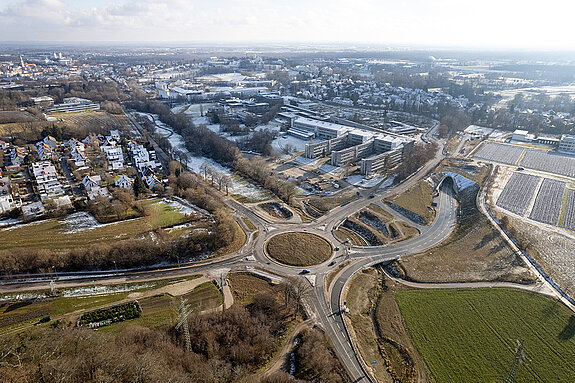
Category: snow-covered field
[179,207]
[306,161]
[280,143]
[79,292]
[239,185]
[196,110]
[79,221]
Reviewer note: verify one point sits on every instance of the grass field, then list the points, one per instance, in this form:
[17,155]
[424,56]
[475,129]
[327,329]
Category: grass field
[54,234]
[299,249]
[249,224]
[418,199]
[470,335]
[161,310]
[343,234]
[245,287]
[16,310]
[95,121]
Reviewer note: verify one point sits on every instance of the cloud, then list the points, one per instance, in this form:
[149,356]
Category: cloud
[29,11]
[488,23]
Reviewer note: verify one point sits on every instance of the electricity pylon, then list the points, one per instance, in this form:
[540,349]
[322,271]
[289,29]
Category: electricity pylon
[519,357]
[184,311]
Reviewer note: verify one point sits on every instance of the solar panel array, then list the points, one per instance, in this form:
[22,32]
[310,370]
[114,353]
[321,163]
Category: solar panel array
[550,162]
[537,159]
[569,217]
[518,193]
[547,207]
[506,154]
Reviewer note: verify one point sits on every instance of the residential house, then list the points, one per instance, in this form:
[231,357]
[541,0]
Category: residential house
[124,182]
[91,182]
[114,156]
[50,141]
[7,201]
[115,134]
[79,157]
[141,157]
[151,181]
[33,210]
[17,156]
[98,191]
[45,151]
[47,180]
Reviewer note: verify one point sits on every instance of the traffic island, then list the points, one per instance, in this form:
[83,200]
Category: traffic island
[298,248]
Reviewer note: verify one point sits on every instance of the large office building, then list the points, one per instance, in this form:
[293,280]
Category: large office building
[73,104]
[567,143]
[372,150]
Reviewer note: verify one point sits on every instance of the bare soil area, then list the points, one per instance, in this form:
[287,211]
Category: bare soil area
[379,329]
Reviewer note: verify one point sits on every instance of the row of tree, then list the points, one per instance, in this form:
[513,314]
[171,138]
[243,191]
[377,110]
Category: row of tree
[227,346]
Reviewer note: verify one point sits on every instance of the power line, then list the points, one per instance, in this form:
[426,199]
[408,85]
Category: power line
[519,357]
[184,310]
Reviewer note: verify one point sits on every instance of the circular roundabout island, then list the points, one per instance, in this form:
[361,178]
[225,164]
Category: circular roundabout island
[298,248]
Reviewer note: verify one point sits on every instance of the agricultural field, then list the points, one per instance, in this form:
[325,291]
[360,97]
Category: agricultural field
[276,210]
[94,121]
[548,202]
[470,335]
[518,192]
[58,234]
[473,252]
[379,330]
[245,287]
[549,161]
[318,206]
[16,122]
[506,154]
[569,215]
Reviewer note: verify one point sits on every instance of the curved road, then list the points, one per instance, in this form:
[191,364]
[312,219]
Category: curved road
[326,307]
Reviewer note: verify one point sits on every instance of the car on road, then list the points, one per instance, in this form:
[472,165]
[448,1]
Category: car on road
[331,263]
[304,271]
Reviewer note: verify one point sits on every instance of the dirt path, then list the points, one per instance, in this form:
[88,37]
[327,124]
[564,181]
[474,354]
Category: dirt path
[281,359]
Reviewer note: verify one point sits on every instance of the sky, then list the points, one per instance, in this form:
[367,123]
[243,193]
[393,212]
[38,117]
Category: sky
[485,24]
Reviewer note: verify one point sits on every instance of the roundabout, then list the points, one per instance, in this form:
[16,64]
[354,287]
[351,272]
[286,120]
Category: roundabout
[298,248]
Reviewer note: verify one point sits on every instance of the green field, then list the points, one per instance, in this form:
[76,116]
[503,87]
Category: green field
[470,335]
[54,233]
[157,309]
[162,310]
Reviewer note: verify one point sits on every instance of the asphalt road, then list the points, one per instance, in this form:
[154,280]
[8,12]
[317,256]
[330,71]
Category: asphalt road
[325,307]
